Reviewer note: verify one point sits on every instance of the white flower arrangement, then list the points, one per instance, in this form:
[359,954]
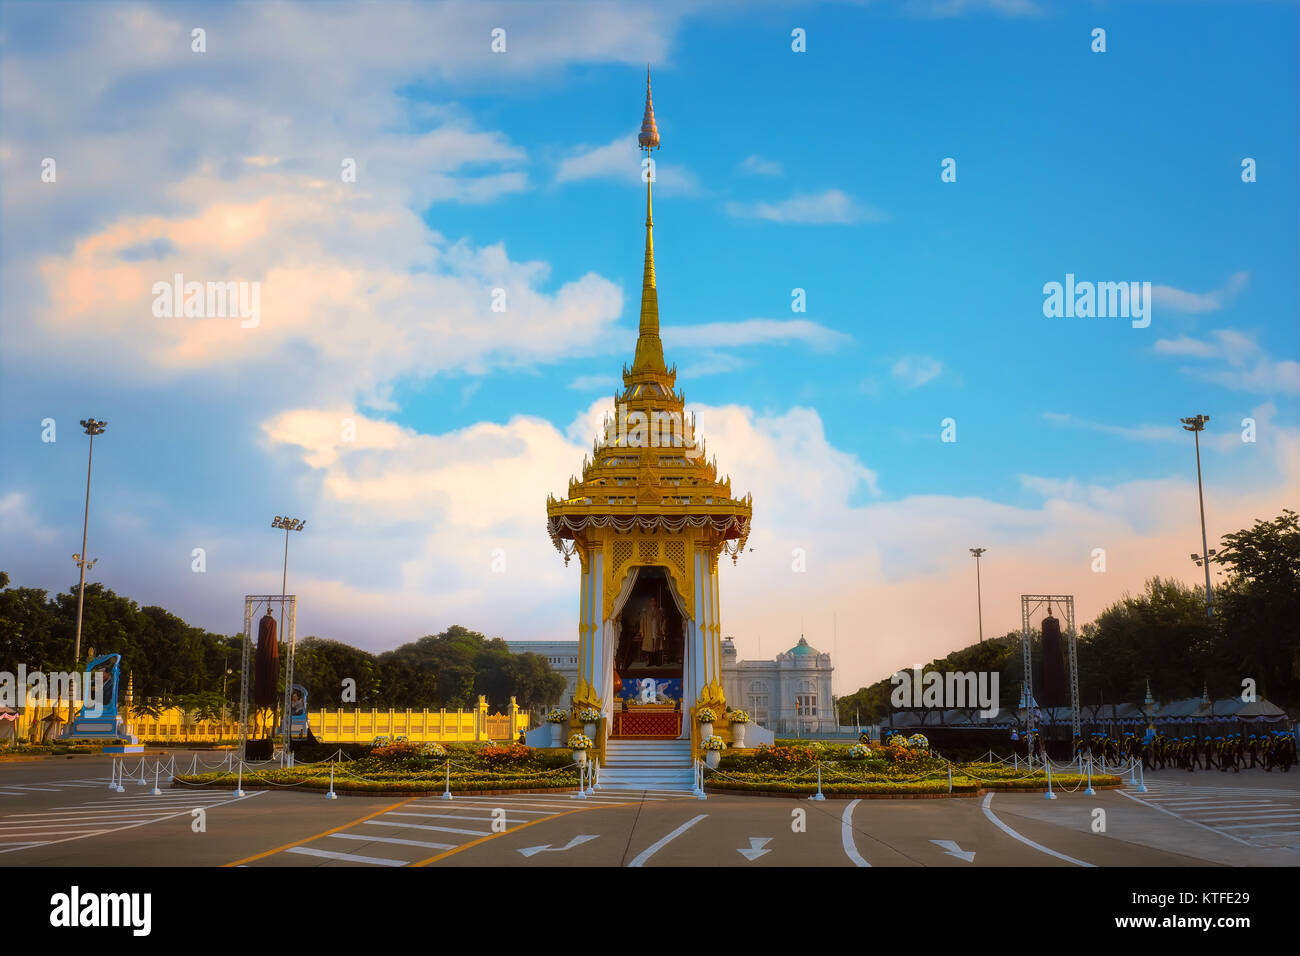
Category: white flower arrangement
[579,742]
[738,717]
[589,715]
[714,743]
[433,749]
[381,741]
[918,741]
[705,716]
[859,752]
[557,716]
[896,740]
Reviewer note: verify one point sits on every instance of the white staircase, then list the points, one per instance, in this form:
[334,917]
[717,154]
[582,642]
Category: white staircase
[632,764]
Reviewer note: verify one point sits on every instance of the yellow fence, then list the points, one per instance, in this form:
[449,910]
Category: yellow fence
[330,726]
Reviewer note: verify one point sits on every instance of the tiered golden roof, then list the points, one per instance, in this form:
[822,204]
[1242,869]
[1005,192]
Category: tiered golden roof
[649,471]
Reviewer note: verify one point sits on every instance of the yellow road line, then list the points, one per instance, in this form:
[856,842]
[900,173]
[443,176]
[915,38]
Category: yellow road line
[522,826]
[281,849]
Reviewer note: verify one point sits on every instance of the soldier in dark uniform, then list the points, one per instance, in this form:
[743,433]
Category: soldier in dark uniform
[1286,743]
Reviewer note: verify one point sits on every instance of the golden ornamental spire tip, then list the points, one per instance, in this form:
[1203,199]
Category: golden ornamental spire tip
[649,135]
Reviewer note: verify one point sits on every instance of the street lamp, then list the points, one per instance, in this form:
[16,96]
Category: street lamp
[92,428]
[979,597]
[1195,425]
[288,524]
[224,677]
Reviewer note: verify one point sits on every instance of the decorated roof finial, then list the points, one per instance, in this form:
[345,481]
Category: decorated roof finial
[649,136]
[649,356]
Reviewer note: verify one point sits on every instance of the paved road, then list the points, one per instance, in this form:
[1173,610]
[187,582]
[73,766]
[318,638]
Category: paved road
[62,813]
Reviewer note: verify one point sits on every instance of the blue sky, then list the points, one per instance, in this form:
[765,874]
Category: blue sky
[779,170]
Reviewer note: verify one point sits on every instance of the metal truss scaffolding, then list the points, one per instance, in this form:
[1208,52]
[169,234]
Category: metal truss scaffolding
[1030,604]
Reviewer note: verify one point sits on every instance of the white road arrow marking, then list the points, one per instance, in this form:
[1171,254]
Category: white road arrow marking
[576,841]
[952,849]
[755,850]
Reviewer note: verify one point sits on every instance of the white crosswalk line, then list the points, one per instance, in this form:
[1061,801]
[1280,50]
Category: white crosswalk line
[426,826]
[1247,826]
[486,806]
[368,838]
[451,816]
[1254,816]
[74,823]
[347,857]
[66,824]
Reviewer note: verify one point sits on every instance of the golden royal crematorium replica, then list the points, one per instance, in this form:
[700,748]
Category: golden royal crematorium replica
[648,521]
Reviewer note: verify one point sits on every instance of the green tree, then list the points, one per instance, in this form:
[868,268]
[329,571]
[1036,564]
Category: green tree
[1257,609]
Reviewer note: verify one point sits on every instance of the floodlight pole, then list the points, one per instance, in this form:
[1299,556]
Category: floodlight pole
[1195,425]
[979,590]
[288,524]
[92,428]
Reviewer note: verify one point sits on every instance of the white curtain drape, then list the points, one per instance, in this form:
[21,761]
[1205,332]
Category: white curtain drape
[610,629]
[687,643]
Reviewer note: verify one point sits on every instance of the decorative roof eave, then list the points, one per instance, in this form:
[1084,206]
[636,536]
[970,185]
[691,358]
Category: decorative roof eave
[729,527]
[581,506]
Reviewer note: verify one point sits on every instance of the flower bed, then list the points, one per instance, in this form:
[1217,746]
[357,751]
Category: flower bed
[348,780]
[890,770]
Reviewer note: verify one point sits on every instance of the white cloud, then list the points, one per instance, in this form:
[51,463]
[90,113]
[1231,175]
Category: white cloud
[1131,432]
[406,302]
[1248,366]
[1182,301]
[591,383]
[758,166]
[941,9]
[754,332]
[831,207]
[916,370]
[620,160]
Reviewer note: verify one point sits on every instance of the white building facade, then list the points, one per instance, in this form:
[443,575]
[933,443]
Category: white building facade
[790,695]
[561,655]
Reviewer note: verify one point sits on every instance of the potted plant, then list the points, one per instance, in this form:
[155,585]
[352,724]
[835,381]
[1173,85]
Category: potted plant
[706,718]
[738,719]
[713,747]
[557,719]
[579,743]
[589,716]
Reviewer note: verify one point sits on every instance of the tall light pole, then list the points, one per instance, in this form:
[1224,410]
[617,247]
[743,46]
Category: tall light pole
[1195,425]
[979,596]
[288,524]
[225,666]
[92,429]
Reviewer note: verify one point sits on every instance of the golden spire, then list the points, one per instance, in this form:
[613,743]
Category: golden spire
[649,349]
